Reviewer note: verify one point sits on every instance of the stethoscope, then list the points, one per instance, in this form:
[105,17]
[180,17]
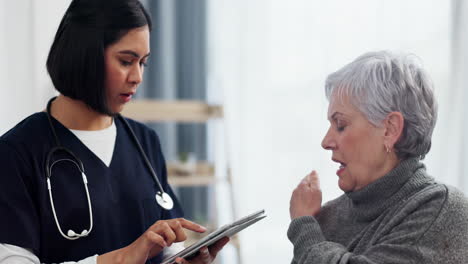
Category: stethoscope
[162,198]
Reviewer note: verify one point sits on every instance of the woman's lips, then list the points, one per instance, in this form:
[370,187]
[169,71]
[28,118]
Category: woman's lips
[126,97]
[342,167]
[340,170]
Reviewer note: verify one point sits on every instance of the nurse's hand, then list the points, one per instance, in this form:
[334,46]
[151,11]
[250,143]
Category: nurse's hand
[160,235]
[306,198]
[206,255]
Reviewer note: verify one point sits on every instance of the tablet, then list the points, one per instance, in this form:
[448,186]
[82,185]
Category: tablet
[224,231]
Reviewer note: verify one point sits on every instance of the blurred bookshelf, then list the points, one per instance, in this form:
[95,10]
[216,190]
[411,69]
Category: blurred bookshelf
[198,174]
[176,111]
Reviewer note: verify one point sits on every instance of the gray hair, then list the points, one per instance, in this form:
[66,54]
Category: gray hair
[381,82]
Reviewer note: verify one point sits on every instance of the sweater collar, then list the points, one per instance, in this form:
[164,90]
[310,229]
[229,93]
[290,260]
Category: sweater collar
[405,179]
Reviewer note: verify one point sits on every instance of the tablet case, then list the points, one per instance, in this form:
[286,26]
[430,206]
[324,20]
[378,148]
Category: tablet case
[224,231]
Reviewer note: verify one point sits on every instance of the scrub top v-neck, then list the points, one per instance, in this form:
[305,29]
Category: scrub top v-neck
[100,142]
[122,194]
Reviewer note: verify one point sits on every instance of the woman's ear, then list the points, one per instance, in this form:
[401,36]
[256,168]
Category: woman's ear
[394,124]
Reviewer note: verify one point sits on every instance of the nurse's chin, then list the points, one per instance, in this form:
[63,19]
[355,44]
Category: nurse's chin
[115,109]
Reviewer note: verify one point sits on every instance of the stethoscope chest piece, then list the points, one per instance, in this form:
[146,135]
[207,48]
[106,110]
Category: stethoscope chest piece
[164,200]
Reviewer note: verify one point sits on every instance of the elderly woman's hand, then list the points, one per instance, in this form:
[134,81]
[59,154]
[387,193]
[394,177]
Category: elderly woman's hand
[206,254]
[307,197]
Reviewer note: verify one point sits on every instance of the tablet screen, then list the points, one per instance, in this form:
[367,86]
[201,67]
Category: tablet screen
[224,231]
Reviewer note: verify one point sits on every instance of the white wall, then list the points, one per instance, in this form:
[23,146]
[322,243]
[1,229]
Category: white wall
[27,28]
[454,115]
[16,43]
[270,58]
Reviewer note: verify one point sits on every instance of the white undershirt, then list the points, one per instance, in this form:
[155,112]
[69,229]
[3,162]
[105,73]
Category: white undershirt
[101,143]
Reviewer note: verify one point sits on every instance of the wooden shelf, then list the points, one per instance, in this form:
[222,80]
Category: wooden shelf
[177,111]
[201,174]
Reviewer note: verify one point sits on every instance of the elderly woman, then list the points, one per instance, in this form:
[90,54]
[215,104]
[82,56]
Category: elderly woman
[382,113]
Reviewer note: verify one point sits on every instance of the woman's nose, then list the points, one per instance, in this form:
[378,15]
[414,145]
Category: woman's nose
[136,75]
[328,142]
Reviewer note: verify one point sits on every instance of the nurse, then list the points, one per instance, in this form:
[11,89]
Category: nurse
[79,182]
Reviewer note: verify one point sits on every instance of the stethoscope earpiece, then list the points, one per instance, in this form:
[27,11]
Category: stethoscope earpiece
[74,235]
[71,233]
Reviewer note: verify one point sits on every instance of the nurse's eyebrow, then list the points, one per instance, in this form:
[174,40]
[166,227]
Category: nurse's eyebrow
[134,54]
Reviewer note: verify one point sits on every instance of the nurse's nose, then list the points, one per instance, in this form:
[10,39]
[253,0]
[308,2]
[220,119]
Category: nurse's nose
[136,74]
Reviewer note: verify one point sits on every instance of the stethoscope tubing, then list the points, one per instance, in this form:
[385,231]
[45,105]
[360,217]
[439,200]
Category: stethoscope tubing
[143,154]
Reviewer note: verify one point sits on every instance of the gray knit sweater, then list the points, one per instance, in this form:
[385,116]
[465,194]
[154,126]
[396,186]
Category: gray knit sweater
[404,217]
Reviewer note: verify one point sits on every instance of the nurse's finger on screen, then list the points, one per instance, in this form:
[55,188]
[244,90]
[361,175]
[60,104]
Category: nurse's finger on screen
[191,225]
[178,230]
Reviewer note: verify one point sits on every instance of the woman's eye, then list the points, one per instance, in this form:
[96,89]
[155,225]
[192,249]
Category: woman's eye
[143,64]
[126,63]
[340,126]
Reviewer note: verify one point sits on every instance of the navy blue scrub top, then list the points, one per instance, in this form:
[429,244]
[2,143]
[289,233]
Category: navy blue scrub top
[122,195]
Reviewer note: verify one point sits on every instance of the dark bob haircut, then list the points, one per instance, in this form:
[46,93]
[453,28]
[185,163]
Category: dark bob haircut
[76,58]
